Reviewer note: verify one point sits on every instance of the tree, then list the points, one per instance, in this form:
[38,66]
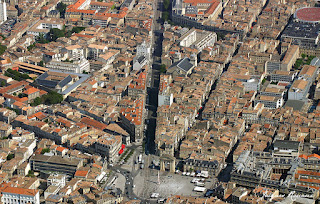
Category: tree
[3,38]
[41,39]
[165,15]
[30,174]
[21,95]
[55,33]
[52,98]
[220,36]
[62,9]
[45,150]
[2,49]
[2,83]
[10,156]
[166,4]
[30,47]
[77,29]
[163,68]
[303,56]
[41,63]
[37,101]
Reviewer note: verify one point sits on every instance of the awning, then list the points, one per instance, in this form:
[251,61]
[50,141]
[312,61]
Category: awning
[121,151]
[123,146]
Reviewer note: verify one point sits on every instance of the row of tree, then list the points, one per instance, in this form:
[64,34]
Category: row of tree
[51,98]
[16,75]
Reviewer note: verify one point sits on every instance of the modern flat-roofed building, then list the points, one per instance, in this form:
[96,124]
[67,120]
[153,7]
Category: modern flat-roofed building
[78,66]
[300,87]
[280,75]
[299,90]
[302,33]
[271,102]
[43,26]
[55,164]
[286,148]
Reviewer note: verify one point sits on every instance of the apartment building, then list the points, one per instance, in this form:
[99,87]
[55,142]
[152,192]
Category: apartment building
[188,38]
[204,39]
[212,167]
[250,82]
[191,12]
[94,50]
[299,90]
[198,39]
[164,95]
[43,27]
[109,146]
[280,75]
[5,129]
[77,66]
[301,86]
[290,58]
[132,120]
[274,90]
[19,195]
[57,180]
[271,102]
[272,66]
[3,11]
[73,52]
[144,49]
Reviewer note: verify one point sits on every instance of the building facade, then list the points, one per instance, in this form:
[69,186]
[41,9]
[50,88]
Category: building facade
[19,195]
[3,11]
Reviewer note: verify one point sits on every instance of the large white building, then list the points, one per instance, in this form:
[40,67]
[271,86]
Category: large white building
[78,66]
[144,50]
[3,11]
[165,99]
[19,195]
[43,26]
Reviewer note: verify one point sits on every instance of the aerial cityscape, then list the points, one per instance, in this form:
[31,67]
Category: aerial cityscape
[160,101]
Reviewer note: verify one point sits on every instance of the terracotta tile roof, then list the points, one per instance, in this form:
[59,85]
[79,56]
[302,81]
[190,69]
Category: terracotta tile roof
[311,173]
[60,149]
[39,115]
[31,90]
[94,123]
[81,173]
[20,191]
[13,86]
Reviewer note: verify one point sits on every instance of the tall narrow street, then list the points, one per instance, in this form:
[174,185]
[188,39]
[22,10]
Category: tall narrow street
[153,84]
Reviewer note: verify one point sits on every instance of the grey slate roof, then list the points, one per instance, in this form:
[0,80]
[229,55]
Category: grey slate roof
[286,144]
[185,64]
